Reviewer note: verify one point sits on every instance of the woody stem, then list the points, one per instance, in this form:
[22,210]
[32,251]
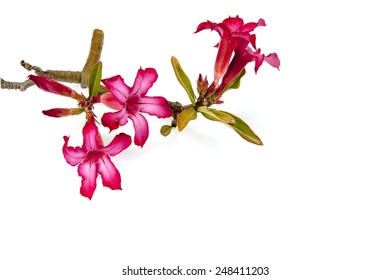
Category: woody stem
[79,77]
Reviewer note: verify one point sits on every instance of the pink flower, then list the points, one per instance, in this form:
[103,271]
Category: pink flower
[93,158]
[236,38]
[131,101]
[240,59]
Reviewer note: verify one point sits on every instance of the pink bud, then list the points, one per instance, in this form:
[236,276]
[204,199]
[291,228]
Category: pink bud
[50,85]
[62,112]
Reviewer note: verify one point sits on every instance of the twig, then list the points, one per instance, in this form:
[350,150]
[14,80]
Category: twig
[16,85]
[65,76]
[58,75]
[177,108]
[93,57]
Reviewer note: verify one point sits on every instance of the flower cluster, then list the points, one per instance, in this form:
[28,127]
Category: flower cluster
[92,157]
[234,53]
[236,48]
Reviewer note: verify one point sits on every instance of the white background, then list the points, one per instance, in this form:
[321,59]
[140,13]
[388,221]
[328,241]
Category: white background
[312,203]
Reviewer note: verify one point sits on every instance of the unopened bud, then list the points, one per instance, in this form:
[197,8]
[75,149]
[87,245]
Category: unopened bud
[50,85]
[62,112]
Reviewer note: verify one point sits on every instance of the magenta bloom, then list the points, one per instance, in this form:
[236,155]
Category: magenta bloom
[93,158]
[131,101]
[236,38]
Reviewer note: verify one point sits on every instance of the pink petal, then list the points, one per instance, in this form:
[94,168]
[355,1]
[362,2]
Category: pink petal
[116,85]
[50,85]
[253,40]
[223,31]
[224,54]
[261,22]
[234,24]
[120,142]
[72,155]
[110,175]
[155,105]
[257,57]
[111,101]
[91,136]
[205,25]
[144,81]
[141,128]
[273,60]
[114,120]
[250,26]
[87,171]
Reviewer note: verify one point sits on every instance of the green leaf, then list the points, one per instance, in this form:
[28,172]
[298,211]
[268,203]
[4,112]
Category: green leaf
[244,130]
[216,115]
[95,77]
[165,130]
[185,117]
[183,79]
[236,82]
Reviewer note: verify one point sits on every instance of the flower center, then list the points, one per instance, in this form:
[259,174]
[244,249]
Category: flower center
[93,156]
